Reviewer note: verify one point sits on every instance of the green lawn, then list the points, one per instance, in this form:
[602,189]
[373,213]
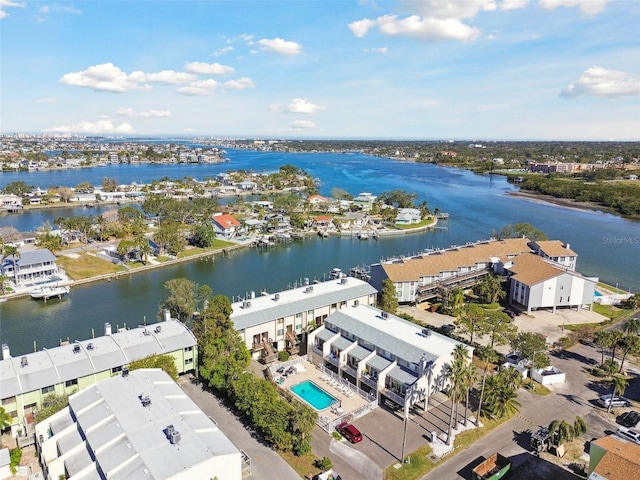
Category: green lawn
[87,266]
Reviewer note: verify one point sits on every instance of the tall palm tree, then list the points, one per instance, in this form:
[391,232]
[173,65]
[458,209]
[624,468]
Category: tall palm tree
[620,384]
[489,357]
[604,340]
[455,373]
[630,345]
[469,379]
[616,337]
[632,326]
[13,252]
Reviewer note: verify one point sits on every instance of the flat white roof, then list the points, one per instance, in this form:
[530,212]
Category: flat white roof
[266,308]
[129,438]
[67,362]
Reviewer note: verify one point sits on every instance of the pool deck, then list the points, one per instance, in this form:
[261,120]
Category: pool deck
[310,372]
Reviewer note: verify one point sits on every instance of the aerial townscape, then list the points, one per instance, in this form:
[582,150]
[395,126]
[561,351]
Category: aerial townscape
[350,240]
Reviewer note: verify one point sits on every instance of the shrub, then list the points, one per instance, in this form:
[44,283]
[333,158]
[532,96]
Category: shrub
[324,464]
[336,435]
[610,366]
[15,455]
[283,356]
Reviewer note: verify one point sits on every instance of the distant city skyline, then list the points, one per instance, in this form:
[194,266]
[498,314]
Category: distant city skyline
[388,70]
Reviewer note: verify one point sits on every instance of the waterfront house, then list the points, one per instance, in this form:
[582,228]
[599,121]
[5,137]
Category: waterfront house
[278,321]
[26,381]
[556,251]
[408,216]
[225,225]
[135,425]
[31,267]
[396,361]
[536,282]
[365,201]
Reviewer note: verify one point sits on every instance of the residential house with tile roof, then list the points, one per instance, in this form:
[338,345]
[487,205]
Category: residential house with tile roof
[225,225]
[613,458]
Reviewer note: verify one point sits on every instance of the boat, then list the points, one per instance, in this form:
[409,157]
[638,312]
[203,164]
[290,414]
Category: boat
[363,236]
[45,293]
[335,273]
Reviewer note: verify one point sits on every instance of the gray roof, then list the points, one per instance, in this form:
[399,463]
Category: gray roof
[266,309]
[359,352]
[341,343]
[129,440]
[35,256]
[379,363]
[82,358]
[325,334]
[402,375]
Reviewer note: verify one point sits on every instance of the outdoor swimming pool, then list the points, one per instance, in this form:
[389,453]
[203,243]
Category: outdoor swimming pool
[312,394]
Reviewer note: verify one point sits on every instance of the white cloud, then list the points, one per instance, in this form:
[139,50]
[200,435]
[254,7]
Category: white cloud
[200,88]
[8,3]
[223,51]
[105,76]
[278,45]
[449,8]
[108,77]
[600,82]
[427,28]
[302,124]
[239,84]
[513,4]
[208,68]
[587,7]
[361,27]
[130,112]
[99,127]
[47,100]
[302,105]
[168,76]
[376,50]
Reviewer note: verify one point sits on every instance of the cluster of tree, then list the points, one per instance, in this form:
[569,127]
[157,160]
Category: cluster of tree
[223,362]
[626,341]
[519,230]
[623,197]
[51,404]
[164,362]
[561,431]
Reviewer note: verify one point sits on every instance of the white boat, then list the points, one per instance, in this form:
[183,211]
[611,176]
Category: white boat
[45,293]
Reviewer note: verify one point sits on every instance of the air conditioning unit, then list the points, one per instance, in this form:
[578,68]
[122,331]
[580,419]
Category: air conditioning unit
[384,314]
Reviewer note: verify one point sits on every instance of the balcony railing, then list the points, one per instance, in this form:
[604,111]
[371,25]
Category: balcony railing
[333,360]
[369,381]
[317,350]
[350,370]
[396,397]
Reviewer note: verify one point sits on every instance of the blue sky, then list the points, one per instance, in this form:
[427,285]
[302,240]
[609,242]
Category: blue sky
[327,69]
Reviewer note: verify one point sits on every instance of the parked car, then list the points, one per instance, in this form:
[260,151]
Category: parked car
[629,434]
[605,400]
[629,419]
[448,327]
[350,432]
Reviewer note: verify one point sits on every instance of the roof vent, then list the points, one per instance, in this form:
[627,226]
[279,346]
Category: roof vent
[344,281]
[169,430]
[145,399]
[24,362]
[76,348]
[174,438]
[246,304]
[125,371]
[276,297]
[158,329]
[89,346]
[384,314]
[426,332]
[309,289]
[356,303]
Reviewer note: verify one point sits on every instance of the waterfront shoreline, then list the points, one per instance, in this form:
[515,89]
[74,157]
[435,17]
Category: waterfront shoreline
[566,203]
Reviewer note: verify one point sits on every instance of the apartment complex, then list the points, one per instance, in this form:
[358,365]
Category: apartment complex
[139,424]
[27,380]
[268,323]
[392,359]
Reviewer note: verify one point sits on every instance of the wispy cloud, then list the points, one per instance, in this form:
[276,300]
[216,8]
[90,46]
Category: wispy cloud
[600,82]
[239,84]
[280,46]
[104,126]
[9,4]
[208,68]
[46,10]
[587,7]
[302,125]
[47,100]
[130,112]
[223,51]
[200,88]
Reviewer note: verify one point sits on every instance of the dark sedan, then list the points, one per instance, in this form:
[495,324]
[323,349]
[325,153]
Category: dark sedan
[629,419]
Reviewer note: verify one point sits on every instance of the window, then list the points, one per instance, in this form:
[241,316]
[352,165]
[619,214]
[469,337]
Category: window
[116,370]
[298,327]
[71,383]
[188,361]
[8,400]
[48,389]
[280,332]
[560,299]
[334,305]
[280,321]
[188,349]
[299,315]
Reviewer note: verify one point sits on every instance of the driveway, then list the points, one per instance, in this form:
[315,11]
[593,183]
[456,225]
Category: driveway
[265,463]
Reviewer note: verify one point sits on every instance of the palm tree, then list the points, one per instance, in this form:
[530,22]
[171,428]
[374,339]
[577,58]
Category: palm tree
[455,373]
[469,379]
[632,326]
[630,345]
[579,426]
[456,300]
[501,395]
[13,252]
[560,432]
[620,384]
[489,357]
[604,340]
[616,336]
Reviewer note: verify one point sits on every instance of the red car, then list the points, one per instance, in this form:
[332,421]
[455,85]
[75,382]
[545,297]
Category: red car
[349,432]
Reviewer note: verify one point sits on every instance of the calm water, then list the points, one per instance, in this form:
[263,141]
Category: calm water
[608,246]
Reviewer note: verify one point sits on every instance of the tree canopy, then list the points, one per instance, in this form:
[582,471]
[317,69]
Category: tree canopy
[519,230]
